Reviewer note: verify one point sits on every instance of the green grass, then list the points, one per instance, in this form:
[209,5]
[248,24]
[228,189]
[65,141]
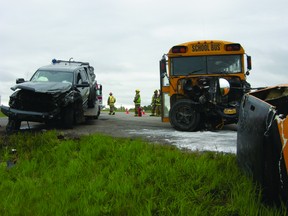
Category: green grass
[101,175]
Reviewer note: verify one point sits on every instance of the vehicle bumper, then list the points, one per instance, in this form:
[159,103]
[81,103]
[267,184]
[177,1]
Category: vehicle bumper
[23,115]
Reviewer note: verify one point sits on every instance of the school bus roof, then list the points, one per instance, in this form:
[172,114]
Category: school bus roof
[206,47]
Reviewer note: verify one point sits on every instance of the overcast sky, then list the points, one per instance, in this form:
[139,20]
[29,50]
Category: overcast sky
[125,39]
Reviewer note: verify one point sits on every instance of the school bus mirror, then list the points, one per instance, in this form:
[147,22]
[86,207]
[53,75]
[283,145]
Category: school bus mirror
[224,86]
[163,69]
[249,62]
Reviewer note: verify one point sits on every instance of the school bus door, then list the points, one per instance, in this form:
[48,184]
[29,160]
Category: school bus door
[164,87]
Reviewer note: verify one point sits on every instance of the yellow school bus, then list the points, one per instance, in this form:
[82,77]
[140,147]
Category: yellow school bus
[202,83]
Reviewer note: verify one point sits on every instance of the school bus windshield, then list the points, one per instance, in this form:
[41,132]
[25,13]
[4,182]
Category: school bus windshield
[215,64]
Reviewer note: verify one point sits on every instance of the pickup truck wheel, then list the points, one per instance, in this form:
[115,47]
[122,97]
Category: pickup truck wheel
[92,99]
[183,116]
[13,125]
[91,103]
[68,118]
[98,114]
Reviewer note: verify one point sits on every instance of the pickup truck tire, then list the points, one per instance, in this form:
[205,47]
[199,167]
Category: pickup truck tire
[68,117]
[183,115]
[92,99]
[13,125]
[97,116]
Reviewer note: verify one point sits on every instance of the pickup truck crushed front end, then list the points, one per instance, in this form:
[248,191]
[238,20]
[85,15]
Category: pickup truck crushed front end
[39,101]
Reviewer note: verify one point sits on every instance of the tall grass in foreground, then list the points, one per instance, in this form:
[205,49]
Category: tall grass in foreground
[101,175]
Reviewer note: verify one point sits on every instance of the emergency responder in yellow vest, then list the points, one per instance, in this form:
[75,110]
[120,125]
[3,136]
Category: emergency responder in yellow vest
[137,102]
[158,104]
[153,102]
[111,101]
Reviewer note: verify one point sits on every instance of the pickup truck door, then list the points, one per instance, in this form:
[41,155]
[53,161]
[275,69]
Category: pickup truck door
[84,91]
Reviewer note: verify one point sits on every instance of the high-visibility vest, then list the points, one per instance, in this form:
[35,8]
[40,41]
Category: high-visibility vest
[154,99]
[137,99]
[111,100]
[158,101]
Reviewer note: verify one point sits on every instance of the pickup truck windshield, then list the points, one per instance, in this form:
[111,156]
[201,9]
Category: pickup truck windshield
[52,76]
[218,64]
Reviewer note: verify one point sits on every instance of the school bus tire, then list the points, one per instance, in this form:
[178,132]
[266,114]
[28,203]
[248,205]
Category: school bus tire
[184,115]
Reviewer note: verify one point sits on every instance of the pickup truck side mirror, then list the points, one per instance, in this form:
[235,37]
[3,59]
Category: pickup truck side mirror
[20,80]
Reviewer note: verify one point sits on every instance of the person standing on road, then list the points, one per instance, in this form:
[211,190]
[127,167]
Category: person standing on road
[137,102]
[158,104]
[153,103]
[111,101]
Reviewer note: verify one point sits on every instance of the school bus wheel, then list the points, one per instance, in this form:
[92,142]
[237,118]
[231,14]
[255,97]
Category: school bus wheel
[184,115]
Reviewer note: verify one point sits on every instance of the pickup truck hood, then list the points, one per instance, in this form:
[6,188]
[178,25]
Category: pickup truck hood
[43,87]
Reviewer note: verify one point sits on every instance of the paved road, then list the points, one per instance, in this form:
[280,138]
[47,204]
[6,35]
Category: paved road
[148,128]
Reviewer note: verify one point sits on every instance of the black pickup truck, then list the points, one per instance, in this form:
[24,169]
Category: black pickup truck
[62,93]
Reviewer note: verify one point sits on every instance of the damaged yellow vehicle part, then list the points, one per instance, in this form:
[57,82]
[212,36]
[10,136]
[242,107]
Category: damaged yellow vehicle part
[262,140]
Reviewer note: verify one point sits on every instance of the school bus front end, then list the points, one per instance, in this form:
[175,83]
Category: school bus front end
[202,84]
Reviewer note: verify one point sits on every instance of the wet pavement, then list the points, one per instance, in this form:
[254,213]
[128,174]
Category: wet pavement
[148,128]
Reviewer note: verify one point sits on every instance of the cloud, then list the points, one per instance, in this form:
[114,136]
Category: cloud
[125,39]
